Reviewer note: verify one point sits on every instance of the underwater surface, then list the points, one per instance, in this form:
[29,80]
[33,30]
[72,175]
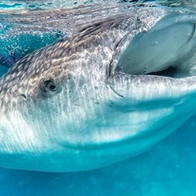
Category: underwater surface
[166,169]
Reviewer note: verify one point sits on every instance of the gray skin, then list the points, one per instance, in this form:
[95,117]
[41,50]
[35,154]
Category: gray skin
[76,105]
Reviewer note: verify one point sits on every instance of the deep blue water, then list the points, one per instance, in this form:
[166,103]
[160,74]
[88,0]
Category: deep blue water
[167,169]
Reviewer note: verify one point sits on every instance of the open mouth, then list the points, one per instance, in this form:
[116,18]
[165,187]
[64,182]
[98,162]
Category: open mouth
[168,72]
[168,49]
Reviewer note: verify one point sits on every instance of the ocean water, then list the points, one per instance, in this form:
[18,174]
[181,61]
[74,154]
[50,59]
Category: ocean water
[167,169]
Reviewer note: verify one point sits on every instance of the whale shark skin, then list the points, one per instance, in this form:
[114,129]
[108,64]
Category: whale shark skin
[90,100]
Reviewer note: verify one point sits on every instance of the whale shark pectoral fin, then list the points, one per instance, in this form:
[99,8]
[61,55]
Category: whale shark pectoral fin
[160,48]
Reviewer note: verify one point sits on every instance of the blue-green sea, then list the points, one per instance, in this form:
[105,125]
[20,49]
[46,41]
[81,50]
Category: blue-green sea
[167,169]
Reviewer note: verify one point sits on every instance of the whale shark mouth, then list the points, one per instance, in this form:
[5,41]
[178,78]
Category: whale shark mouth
[168,49]
[168,72]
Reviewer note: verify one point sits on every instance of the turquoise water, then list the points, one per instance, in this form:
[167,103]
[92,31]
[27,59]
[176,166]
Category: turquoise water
[166,169]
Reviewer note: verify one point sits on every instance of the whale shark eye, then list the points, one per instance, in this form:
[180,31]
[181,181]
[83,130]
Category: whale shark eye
[50,85]
[48,88]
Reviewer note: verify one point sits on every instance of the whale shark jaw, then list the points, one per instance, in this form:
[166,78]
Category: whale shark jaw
[90,100]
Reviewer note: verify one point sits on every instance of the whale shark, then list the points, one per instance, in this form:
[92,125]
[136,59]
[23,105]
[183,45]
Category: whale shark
[110,91]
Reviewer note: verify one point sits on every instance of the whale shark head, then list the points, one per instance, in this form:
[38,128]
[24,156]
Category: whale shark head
[100,96]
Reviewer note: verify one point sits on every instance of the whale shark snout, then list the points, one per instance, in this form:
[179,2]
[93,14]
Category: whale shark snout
[99,96]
